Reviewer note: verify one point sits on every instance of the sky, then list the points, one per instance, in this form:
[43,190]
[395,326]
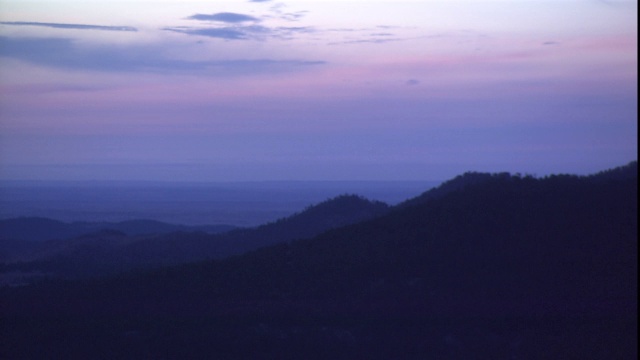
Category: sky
[253,90]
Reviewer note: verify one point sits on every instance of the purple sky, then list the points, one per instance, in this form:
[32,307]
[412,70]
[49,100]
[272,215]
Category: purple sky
[315,90]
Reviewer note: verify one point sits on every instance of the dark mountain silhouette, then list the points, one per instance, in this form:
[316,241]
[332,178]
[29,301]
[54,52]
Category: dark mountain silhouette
[42,229]
[458,183]
[68,257]
[629,171]
[471,178]
[51,243]
[314,220]
[508,268]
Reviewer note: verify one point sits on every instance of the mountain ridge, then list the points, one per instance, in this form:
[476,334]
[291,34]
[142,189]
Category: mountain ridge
[36,228]
[515,267]
[184,245]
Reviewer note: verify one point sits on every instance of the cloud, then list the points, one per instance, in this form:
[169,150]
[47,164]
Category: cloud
[287,32]
[412,82]
[221,33]
[226,17]
[251,32]
[279,12]
[70,26]
[293,16]
[64,53]
[259,0]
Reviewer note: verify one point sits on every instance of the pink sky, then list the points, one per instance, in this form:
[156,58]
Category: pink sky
[301,90]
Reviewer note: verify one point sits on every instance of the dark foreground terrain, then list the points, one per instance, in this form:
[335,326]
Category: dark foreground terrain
[487,266]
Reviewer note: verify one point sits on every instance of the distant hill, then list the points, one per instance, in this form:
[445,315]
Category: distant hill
[53,242]
[37,229]
[508,267]
[330,214]
[62,256]
[42,229]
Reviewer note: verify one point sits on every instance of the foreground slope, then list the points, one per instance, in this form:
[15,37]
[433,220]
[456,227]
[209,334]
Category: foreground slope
[510,267]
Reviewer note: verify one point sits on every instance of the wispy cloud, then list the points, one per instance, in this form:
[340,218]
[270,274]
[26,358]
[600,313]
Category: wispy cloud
[278,9]
[70,26]
[227,33]
[226,17]
[288,32]
[249,32]
[293,16]
[66,54]
[234,26]
[238,26]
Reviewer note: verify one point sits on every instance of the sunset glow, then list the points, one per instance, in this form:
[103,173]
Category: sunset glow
[314,90]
